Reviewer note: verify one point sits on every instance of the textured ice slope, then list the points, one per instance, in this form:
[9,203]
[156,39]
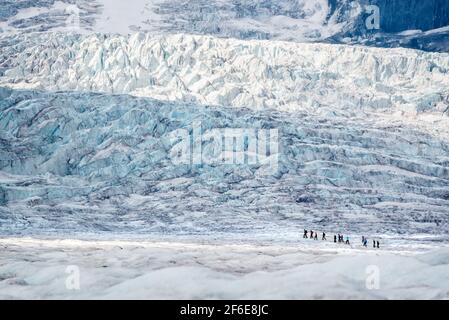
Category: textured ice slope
[83,162]
[256,74]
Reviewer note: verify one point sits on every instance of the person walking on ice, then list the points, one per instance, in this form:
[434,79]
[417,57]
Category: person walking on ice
[305,234]
[311,234]
[378,245]
[316,236]
[335,238]
[374,243]
[347,240]
[324,236]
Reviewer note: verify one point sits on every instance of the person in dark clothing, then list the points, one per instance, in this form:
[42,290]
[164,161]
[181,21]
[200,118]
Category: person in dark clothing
[316,236]
[363,239]
[305,234]
[365,242]
[339,238]
[324,236]
[378,245]
[311,234]
[374,243]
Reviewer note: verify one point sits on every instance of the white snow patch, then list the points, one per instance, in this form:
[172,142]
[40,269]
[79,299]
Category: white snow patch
[36,269]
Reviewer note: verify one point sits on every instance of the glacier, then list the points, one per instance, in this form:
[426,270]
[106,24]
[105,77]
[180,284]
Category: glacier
[77,162]
[361,151]
[255,74]
[89,140]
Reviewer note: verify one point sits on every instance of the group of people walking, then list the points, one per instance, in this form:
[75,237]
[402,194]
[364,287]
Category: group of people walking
[338,238]
[341,239]
[376,243]
[313,235]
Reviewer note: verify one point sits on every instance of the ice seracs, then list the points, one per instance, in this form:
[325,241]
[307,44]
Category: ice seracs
[364,128]
[84,162]
[227,72]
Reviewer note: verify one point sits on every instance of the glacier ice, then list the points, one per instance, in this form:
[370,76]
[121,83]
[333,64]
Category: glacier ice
[86,121]
[98,162]
[227,72]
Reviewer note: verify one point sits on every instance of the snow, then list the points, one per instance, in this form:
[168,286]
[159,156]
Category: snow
[122,17]
[306,20]
[37,269]
[336,21]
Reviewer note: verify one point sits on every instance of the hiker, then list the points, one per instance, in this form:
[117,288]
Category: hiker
[316,236]
[365,242]
[324,236]
[374,243]
[311,234]
[378,246]
[347,240]
[305,234]
[363,239]
[335,238]
[339,238]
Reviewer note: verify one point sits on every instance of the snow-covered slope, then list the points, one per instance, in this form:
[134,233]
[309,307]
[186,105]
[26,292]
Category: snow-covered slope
[335,21]
[38,269]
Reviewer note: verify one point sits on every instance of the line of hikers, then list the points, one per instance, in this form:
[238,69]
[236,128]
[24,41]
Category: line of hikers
[376,243]
[338,238]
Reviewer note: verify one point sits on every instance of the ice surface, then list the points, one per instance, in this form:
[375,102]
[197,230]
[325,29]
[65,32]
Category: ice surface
[84,162]
[86,149]
[363,136]
[40,269]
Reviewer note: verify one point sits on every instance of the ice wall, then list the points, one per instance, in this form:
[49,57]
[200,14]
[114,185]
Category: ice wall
[84,162]
[227,72]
